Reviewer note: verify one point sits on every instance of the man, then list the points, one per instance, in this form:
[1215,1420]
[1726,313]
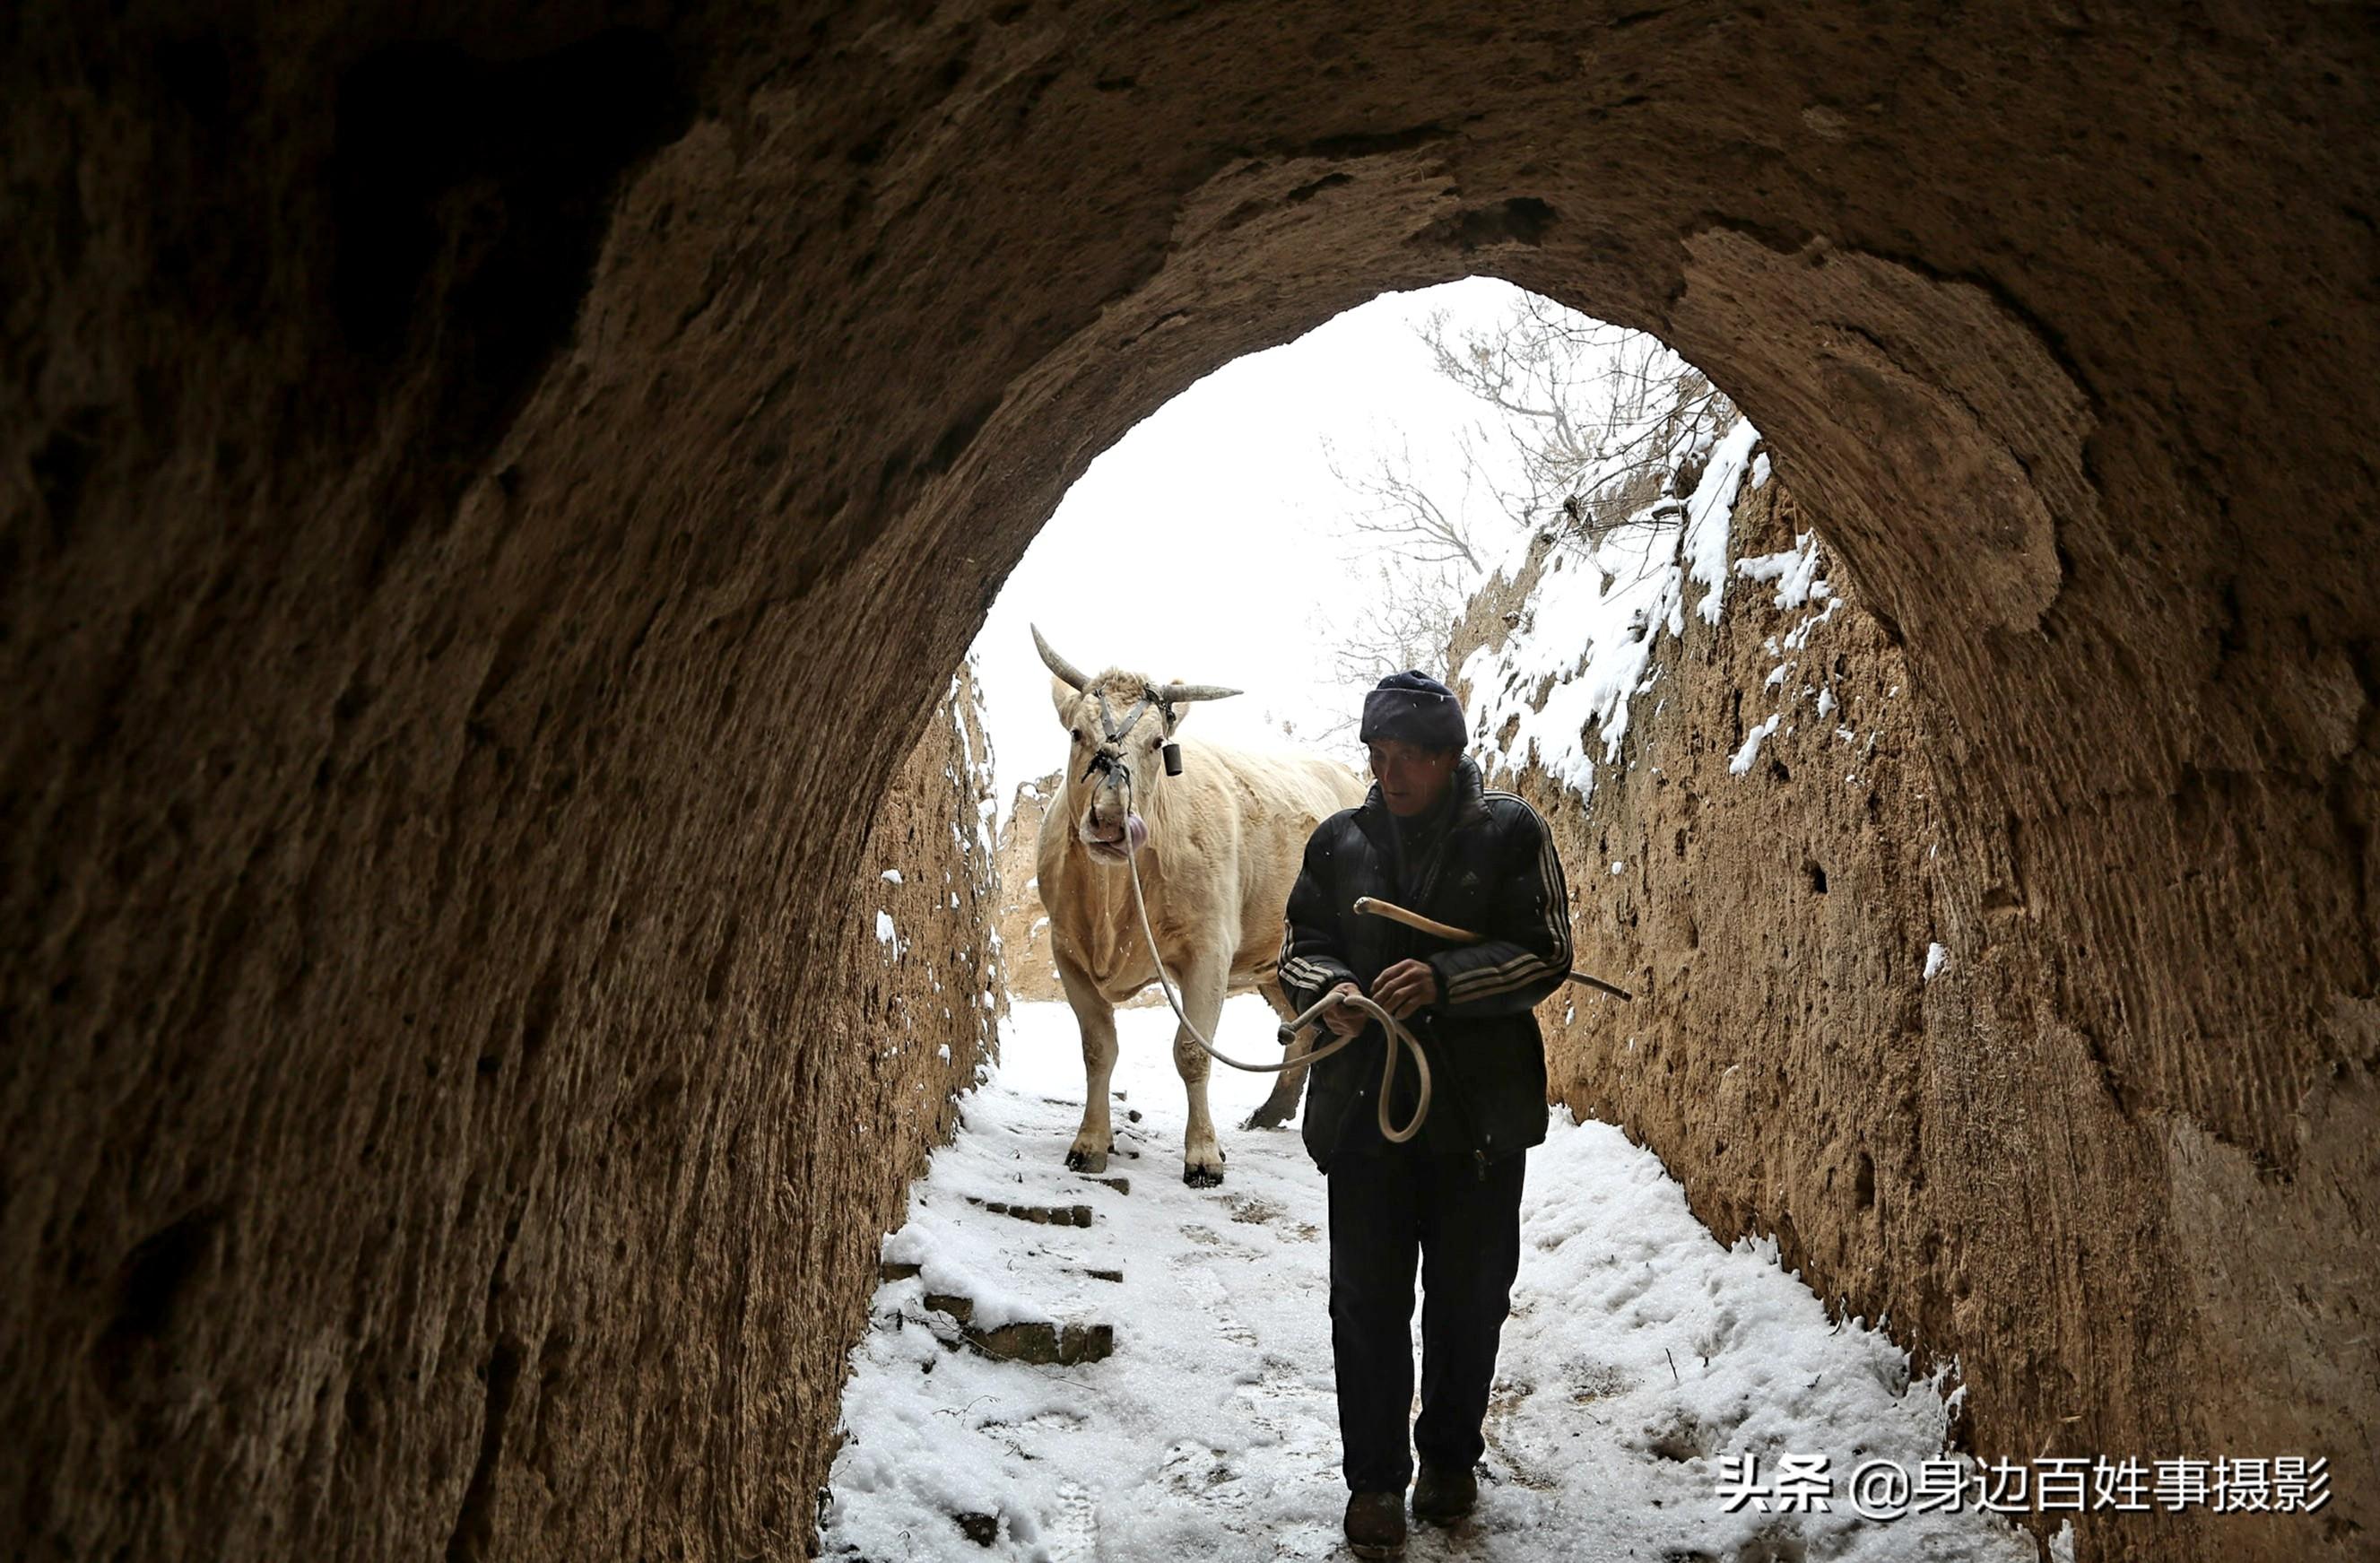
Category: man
[1428,839]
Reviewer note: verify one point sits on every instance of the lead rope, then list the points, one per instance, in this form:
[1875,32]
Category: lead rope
[1397,1035]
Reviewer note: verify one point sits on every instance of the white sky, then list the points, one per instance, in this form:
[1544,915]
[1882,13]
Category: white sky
[1208,543]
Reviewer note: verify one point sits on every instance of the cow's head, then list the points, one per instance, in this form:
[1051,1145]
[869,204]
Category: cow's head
[1119,724]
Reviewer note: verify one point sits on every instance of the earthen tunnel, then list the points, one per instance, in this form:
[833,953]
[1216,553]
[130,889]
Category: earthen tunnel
[491,501]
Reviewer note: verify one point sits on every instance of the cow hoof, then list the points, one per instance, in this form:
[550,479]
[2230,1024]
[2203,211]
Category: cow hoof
[1087,1162]
[1263,1119]
[1203,1176]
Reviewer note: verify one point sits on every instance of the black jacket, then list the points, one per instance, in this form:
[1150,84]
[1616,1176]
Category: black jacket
[1485,863]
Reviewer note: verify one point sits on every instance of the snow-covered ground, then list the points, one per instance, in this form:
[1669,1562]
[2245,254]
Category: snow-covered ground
[1640,1352]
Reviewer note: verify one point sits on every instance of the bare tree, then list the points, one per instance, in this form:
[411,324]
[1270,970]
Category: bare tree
[1407,618]
[1601,422]
[1592,427]
[1409,631]
[1401,517]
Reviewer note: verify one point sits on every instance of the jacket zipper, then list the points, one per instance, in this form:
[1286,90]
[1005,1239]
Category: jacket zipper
[1425,884]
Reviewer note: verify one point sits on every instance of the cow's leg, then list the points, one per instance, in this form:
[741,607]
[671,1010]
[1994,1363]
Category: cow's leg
[1282,1106]
[1203,986]
[1095,1018]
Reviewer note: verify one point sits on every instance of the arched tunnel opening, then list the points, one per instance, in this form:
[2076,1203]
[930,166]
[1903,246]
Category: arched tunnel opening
[491,501]
[1074,1354]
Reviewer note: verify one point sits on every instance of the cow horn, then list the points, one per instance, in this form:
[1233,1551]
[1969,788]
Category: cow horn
[1056,663]
[1177,694]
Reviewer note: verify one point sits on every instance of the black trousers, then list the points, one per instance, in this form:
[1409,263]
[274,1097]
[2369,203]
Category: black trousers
[1389,1203]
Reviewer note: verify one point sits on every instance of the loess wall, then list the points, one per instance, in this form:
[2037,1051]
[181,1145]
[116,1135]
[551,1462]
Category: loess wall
[920,990]
[1023,922]
[1801,1057]
[595,1282]
[489,497]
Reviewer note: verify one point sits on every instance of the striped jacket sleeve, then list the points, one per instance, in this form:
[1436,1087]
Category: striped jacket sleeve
[1312,962]
[1526,953]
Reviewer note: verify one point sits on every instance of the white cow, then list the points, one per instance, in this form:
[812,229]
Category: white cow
[1220,845]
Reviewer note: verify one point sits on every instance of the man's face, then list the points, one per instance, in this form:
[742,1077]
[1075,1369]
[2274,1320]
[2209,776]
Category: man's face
[1410,777]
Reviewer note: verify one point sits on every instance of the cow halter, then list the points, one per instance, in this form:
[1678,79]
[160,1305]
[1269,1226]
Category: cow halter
[1108,756]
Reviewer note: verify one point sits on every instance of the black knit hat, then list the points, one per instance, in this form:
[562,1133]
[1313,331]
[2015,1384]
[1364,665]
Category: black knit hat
[1414,708]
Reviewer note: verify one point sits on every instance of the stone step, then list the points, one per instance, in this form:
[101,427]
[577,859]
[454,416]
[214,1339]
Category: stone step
[1044,1345]
[893,1272]
[1040,1215]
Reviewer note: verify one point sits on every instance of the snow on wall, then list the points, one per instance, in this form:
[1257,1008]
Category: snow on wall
[1795,571]
[1745,755]
[1595,617]
[1592,619]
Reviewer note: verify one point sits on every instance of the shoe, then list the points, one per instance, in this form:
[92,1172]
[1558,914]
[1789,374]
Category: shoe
[1444,1493]
[1376,1524]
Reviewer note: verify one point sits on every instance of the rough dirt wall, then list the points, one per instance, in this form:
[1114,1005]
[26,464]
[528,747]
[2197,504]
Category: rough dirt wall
[1801,1057]
[464,1354]
[1024,923]
[920,965]
[491,495]
[923,989]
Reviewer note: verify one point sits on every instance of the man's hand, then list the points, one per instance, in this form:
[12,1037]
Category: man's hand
[1404,987]
[1345,1020]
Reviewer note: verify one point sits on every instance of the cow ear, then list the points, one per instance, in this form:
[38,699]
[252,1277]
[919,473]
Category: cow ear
[1173,717]
[1063,696]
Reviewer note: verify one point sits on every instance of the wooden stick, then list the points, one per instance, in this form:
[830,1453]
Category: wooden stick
[1597,982]
[1372,906]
